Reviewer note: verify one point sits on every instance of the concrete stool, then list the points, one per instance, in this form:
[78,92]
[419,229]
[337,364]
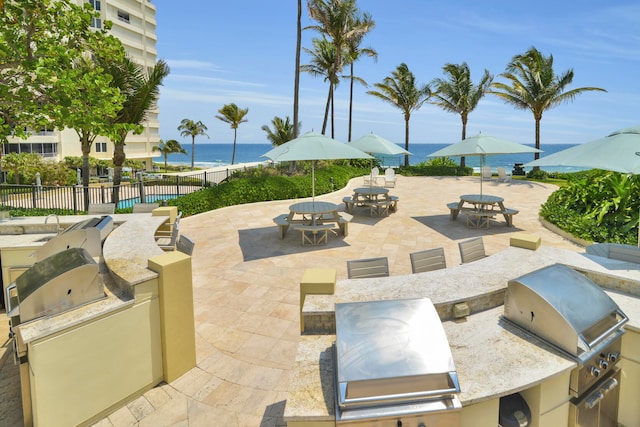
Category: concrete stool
[526,241]
[316,281]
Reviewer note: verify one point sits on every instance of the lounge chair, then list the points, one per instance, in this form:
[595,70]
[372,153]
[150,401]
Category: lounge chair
[486,173]
[472,250]
[502,175]
[429,260]
[370,267]
[372,179]
[390,177]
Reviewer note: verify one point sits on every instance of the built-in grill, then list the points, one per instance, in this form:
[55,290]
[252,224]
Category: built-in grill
[88,234]
[574,315]
[394,366]
[56,284]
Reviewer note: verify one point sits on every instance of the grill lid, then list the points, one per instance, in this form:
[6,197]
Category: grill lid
[563,307]
[392,352]
[56,284]
[88,234]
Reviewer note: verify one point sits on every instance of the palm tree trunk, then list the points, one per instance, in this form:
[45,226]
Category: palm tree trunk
[296,84]
[350,103]
[333,127]
[406,140]
[193,150]
[463,162]
[233,155]
[536,156]
[326,111]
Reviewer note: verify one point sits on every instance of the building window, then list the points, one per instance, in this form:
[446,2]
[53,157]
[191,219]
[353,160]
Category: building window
[96,22]
[101,147]
[123,16]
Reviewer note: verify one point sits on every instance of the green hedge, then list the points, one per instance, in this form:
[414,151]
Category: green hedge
[256,186]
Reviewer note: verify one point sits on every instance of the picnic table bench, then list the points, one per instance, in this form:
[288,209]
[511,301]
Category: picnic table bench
[481,214]
[314,234]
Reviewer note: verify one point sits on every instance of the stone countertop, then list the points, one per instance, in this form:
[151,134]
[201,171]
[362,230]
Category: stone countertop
[481,283]
[129,246]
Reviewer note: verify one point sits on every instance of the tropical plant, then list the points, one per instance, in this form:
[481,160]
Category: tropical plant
[232,115]
[355,52]
[141,91]
[403,92]
[322,65]
[533,85]
[190,128]
[283,131]
[339,21]
[457,93]
[169,147]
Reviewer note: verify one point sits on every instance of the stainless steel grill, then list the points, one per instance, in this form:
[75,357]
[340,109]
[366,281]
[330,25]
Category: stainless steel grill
[88,234]
[574,315]
[394,365]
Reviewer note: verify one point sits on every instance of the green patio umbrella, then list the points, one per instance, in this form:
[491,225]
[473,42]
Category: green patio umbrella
[313,146]
[483,145]
[618,152]
[375,144]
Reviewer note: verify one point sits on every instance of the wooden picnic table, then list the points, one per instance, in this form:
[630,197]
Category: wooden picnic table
[483,208]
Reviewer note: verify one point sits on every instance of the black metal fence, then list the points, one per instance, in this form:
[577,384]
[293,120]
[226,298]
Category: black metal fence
[147,189]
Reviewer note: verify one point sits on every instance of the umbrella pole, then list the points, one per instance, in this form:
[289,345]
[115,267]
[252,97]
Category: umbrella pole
[481,177]
[313,181]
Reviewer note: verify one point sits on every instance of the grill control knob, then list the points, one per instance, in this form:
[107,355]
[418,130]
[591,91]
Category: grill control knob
[602,364]
[613,357]
[595,372]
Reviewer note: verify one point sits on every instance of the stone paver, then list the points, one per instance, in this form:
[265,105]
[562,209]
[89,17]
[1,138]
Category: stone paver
[246,296]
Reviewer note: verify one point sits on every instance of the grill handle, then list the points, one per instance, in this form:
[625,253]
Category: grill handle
[623,319]
[7,299]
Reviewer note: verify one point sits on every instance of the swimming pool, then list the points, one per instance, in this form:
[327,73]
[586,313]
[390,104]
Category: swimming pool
[128,203]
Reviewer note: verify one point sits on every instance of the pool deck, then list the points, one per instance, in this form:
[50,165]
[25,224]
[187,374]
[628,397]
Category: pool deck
[246,291]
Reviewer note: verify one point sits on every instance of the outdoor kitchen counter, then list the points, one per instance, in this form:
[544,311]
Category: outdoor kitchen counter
[492,358]
[125,254]
[480,284]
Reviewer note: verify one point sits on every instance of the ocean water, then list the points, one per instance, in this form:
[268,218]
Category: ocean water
[214,155]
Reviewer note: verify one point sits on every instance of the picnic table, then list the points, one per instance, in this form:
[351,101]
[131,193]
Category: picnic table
[313,219]
[479,209]
[376,198]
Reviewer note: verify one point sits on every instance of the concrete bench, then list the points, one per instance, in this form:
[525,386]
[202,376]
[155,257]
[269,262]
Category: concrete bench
[317,233]
[283,224]
[508,216]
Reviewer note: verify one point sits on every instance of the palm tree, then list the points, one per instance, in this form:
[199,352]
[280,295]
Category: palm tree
[296,83]
[231,114]
[354,52]
[190,128]
[322,64]
[141,92]
[402,91]
[169,147]
[340,22]
[534,86]
[458,94]
[283,131]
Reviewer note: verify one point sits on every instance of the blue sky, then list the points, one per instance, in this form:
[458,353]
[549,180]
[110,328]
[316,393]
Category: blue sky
[244,52]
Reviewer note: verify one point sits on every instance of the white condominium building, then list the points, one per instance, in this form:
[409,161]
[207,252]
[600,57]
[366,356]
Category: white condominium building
[134,24]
